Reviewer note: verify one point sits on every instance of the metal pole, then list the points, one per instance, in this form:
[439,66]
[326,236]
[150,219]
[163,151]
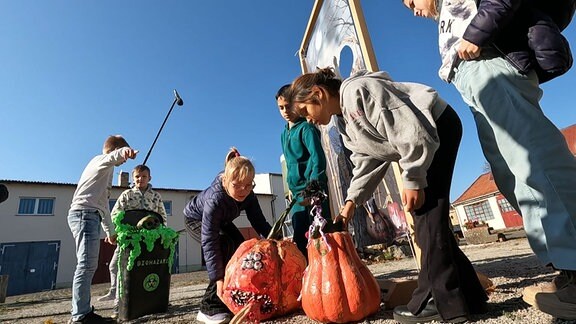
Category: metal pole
[160,130]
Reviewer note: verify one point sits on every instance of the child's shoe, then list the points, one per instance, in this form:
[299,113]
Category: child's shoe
[111,295]
[529,293]
[93,318]
[219,318]
[561,303]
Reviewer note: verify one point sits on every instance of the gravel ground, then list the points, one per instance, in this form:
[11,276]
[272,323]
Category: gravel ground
[511,265]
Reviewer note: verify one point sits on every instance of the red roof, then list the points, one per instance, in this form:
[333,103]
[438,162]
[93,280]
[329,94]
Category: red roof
[570,135]
[485,185]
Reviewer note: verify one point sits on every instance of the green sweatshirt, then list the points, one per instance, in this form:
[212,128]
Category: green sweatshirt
[305,159]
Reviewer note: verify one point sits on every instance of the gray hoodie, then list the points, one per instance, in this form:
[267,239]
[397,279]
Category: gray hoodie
[384,121]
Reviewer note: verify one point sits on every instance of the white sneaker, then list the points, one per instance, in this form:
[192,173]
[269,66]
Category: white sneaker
[111,295]
[219,318]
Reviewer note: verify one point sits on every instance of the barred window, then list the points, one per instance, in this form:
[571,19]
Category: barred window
[111,203]
[505,205]
[168,207]
[479,212]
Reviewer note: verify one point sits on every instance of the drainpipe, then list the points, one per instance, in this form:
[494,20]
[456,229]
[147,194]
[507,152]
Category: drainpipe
[273,207]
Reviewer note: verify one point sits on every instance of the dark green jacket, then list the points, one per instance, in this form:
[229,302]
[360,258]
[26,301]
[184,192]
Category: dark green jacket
[305,159]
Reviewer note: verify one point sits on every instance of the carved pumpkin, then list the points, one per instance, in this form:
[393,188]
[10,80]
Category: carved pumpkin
[149,222]
[263,278]
[267,275]
[337,286]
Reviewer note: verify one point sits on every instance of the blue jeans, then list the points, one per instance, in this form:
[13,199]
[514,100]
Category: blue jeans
[113,267]
[530,160]
[85,227]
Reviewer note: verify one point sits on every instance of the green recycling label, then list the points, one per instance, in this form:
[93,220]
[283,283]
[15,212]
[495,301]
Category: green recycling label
[151,282]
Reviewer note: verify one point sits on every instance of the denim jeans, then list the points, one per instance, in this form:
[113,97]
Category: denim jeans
[530,160]
[113,267]
[85,227]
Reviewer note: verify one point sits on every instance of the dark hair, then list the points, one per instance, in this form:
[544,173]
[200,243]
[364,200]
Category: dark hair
[3,193]
[301,88]
[141,168]
[114,142]
[282,91]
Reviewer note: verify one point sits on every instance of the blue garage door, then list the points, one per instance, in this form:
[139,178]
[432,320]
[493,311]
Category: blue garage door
[31,266]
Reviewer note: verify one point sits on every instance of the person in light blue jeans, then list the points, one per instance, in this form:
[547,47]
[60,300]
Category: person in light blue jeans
[497,53]
[88,211]
[528,155]
[85,227]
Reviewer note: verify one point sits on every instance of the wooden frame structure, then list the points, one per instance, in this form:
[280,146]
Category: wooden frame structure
[333,25]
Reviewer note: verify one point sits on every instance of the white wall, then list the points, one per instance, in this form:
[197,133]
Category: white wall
[496,223]
[271,183]
[15,228]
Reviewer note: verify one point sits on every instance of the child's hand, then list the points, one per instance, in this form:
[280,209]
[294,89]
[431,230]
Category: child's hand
[111,239]
[305,202]
[468,51]
[412,199]
[129,153]
[346,214]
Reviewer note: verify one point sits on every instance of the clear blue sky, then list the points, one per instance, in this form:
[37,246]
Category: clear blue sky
[74,72]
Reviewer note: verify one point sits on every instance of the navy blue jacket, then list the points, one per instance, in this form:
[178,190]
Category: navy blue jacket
[215,208]
[526,32]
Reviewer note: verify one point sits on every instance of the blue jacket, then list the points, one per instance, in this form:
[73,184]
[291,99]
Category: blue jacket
[526,32]
[215,208]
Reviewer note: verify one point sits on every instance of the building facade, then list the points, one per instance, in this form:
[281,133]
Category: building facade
[37,248]
[482,202]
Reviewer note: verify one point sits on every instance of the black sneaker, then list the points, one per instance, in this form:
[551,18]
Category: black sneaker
[93,318]
[428,314]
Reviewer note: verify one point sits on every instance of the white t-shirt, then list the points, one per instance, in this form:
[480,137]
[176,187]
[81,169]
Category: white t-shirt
[455,16]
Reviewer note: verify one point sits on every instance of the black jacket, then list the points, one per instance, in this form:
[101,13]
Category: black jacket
[526,32]
[214,208]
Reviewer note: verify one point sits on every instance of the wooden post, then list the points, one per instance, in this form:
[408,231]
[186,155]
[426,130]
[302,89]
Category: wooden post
[3,287]
[318,56]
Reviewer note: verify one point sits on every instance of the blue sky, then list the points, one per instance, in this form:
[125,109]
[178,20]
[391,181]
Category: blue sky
[74,72]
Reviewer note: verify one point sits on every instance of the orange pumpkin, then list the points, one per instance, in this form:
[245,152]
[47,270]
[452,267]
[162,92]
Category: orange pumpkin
[267,275]
[337,286]
[263,278]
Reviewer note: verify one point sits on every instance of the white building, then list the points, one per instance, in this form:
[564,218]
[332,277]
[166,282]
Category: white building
[37,248]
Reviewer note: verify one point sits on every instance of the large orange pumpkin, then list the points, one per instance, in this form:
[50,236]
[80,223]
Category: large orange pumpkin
[337,286]
[265,276]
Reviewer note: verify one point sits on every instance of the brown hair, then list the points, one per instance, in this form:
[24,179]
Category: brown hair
[237,167]
[114,142]
[141,168]
[301,89]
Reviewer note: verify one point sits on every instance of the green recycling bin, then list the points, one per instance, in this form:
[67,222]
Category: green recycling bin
[144,264]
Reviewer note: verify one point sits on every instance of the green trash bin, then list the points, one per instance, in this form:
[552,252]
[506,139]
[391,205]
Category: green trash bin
[144,265]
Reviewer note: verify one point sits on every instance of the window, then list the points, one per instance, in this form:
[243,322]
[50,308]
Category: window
[111,203]
[36,206]
[168,207]
[479,212]
[505,205]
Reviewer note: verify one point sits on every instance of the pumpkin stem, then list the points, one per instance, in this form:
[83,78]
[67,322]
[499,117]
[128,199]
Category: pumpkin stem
[313,191]
[276,231]
[241,316]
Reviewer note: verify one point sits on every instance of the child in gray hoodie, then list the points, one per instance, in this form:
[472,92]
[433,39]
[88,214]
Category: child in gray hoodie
[383,121]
